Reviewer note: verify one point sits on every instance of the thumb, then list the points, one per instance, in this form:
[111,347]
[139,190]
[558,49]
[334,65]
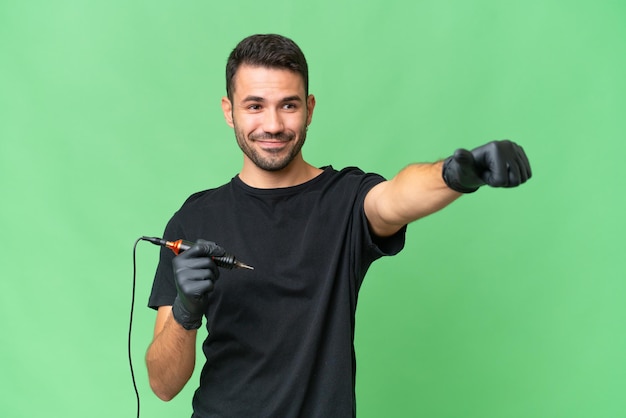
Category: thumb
[465,176]
[210,248]
[464,158]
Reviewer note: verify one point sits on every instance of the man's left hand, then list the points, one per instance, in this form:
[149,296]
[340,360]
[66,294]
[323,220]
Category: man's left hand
[496,164]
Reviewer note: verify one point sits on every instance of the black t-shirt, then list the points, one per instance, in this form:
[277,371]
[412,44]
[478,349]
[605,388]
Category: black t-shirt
[280,340]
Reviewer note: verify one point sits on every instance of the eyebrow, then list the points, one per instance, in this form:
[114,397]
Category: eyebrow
[261,99]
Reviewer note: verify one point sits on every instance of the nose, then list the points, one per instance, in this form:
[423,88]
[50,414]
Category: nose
[272,122]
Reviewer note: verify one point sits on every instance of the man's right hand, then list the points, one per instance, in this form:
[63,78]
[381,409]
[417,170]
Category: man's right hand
[195,274]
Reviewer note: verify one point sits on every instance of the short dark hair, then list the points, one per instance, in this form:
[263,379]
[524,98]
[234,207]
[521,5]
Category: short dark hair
[269,50]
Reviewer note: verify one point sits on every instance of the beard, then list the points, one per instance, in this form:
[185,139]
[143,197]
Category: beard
[273,161]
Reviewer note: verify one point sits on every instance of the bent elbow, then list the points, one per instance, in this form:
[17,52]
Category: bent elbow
[162,392]
[165,397]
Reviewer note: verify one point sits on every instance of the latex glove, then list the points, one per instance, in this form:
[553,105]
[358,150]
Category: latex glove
[195,274]
[497,164]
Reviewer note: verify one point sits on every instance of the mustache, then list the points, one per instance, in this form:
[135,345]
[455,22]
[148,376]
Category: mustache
[282,136]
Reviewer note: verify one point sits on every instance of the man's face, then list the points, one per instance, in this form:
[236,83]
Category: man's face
[270,114]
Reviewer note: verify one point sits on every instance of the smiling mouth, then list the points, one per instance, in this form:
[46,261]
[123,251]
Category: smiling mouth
[271,145]
[272,138]
[272,142]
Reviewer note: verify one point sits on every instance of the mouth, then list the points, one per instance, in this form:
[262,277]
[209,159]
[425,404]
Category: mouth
[273,142]
[271,145]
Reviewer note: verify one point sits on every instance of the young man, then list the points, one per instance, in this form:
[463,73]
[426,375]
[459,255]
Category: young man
[280,337]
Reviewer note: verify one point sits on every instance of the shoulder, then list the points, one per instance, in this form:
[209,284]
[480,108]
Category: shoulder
[356,177]
[203,201]
[203,196]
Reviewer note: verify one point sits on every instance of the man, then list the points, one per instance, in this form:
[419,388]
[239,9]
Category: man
[280,337]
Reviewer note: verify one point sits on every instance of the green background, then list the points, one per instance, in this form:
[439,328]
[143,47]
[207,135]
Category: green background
[509,303]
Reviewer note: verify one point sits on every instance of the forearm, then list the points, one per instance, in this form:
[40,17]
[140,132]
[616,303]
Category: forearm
[415,192]
[419,190]
[170,359]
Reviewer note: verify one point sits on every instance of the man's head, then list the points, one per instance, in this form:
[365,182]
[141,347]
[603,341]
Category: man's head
[268,104]
[270,51]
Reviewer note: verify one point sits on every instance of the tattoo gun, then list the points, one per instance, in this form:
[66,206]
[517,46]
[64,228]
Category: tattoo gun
[227,261]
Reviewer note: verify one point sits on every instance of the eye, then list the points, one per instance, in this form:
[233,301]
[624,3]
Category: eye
[290,106]
[254,106]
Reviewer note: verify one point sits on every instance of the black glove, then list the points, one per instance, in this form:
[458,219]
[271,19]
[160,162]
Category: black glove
[195,273]
[497,164]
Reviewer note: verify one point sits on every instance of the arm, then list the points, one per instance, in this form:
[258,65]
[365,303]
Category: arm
[421,189]
[171,356]
[416,191]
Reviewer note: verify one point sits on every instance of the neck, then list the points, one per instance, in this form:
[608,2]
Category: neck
[298,172]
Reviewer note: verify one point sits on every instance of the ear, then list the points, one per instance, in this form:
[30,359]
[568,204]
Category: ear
[310,105]
[227,108]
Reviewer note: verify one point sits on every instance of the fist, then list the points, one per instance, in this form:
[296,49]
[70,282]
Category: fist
[195,274]
[496,164]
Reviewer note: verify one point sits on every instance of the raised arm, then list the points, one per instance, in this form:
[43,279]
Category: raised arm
[421,189]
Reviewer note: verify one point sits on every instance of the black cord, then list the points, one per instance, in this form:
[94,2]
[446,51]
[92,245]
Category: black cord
[130,325]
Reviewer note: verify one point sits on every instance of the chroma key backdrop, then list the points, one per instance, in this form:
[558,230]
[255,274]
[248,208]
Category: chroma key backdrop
[507,304]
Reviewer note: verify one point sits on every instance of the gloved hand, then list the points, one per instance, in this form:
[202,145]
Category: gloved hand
[497,164]
[195,274]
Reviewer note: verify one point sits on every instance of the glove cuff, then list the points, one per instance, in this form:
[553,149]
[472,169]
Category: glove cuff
[185,318]
[452,180]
